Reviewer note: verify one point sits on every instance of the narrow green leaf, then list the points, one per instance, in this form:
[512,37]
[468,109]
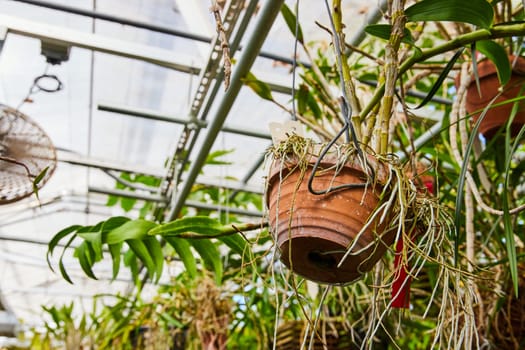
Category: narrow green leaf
[115,251]
[236,242]
[114,222]
[127,203]
[155,251]
[83,254]
[462,177]
[130,260]
[135,229]
[95,242]
[170,321]
[112,201]
[383,31]
[477,12]
[210,256]
[38,179]
[302,98]
[141,251]
[498,56]
[291,22]
[507,218]
[260,88]
[61,266]
[439,82]
[89,236]
[56,239]
[198,224]
[183,249]
[213,157]
[148,180]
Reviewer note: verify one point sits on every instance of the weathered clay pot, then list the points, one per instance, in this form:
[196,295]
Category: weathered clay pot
[313,232]
[489,87]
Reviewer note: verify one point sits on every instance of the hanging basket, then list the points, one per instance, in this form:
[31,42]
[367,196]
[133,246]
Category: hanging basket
[314,232]
[496,117]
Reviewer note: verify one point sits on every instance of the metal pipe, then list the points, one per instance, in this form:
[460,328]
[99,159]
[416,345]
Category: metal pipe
[264,21]
[142,25]
[256,165]
[189,203]
[236,211]
[153,115]
[108,165]
[127,194]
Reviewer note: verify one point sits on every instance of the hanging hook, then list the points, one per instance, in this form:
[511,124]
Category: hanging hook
[347,129]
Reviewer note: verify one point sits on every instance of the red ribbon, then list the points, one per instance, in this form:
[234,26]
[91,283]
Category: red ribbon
[402,280]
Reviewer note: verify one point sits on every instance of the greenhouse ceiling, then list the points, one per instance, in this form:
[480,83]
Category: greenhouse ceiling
[137,87]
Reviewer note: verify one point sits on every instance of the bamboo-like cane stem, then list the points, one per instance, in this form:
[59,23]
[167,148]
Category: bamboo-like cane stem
[391,73]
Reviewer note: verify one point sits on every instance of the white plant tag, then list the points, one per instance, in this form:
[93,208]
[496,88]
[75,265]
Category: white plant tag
[281,131]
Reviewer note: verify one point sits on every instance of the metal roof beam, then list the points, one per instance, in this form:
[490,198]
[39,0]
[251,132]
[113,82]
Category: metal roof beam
[154,115]
[154,55]
[141,25]
[108,165]
[68,37]
[264,22]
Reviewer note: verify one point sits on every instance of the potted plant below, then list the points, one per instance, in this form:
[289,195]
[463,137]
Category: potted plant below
[492,95]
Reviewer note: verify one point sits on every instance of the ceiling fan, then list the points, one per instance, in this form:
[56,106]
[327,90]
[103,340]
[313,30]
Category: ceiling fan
[27,155]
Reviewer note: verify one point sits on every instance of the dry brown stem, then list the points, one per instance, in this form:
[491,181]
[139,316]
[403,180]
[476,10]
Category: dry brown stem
[227,64]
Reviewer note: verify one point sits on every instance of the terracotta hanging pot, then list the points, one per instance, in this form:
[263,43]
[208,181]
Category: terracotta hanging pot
[489,87]
[313,232]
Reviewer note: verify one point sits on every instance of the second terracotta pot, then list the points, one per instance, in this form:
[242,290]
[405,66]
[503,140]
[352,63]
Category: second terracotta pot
[489,87]
[313,232]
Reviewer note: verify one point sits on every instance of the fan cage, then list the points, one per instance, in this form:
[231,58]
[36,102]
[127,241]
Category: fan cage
[25,152]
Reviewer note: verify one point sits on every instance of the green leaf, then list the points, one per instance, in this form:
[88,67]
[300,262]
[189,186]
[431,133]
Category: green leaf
[86,259]
[441,78]
[61,266]
[130,260]
[260,88]
[507,218]
[477,12]
[114,222]
[56,239]
[170,321]
[198,224]
[135,229]
[115,251]
[183,249]
[155,251]
[95,242]
[236,242]
[212,158]
[383,31]
[497,55]
[210,256]
[291,22]
[149,180]
[127,203]
[38,179]
[141,251]
[112,200]
[302,98]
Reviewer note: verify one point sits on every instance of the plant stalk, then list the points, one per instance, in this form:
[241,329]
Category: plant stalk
[345,69]
[498,31]
[391,74]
